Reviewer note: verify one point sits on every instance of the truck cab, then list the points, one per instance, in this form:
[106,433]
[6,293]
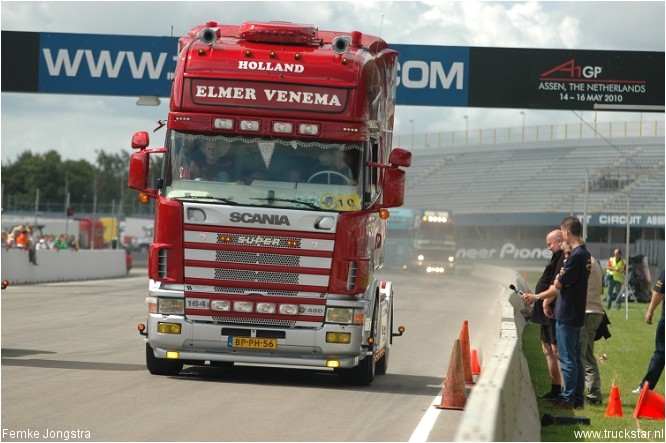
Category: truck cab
[271,204]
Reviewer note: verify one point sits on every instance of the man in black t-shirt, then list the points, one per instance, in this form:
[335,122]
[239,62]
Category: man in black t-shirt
[570,288]
[548,338]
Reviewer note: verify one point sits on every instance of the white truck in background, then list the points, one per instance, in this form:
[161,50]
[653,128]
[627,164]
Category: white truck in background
[136,233]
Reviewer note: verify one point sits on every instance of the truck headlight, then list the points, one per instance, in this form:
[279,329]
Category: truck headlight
[170,306]
[339,315]
[288,309]
[265,308]
[348,316]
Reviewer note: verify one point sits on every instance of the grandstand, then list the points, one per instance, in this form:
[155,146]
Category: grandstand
[519,189]
[521,178]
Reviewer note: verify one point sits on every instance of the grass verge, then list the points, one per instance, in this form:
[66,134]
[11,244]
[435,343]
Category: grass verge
[628,353]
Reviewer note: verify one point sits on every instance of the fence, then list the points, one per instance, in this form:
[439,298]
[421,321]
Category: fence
[529,134]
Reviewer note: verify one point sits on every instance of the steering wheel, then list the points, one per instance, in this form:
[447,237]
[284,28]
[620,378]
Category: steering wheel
[329,173]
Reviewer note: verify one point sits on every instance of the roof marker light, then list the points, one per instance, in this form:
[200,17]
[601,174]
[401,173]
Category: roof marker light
[223,123]
[249,125]
[308,129]
[283,127]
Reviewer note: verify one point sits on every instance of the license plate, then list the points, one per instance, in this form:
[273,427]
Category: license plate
[252,343]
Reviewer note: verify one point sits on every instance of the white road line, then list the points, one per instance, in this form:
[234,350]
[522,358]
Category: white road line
[427,422]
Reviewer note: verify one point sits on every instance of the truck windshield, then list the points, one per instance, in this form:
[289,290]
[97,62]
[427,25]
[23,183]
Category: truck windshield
[264,172]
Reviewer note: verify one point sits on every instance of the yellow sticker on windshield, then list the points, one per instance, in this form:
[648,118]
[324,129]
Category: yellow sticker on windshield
[341,202]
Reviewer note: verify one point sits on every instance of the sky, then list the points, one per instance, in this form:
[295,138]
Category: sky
[77,126]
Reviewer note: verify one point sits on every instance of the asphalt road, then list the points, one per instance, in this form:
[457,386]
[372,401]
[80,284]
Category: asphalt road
[73,367]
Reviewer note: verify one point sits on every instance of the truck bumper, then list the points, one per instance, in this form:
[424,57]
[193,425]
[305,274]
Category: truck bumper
[299,347]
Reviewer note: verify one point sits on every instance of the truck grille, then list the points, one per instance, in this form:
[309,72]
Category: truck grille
[256,276]
[246,265]
[236,255]
[256,258]
[255,321]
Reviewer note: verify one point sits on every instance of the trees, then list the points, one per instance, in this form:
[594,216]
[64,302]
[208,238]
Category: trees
[55,178]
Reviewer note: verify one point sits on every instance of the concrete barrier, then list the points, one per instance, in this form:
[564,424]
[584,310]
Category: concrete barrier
[502,404]
[66,265]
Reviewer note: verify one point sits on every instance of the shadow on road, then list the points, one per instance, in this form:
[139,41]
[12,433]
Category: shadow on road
[310,378]
[10,358]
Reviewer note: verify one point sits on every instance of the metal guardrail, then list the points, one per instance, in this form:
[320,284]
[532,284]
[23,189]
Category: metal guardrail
[529,134]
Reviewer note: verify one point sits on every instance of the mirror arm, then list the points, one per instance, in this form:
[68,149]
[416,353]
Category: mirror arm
[381,166]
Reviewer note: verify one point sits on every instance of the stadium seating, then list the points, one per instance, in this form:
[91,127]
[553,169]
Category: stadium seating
[540,176]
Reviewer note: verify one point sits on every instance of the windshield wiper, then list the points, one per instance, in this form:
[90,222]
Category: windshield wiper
[288,200]
[209,197]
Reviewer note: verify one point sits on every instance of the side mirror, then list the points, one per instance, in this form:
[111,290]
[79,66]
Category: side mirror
[400,157]
[139,167]
[394,188]
[394,178]
[140,140]
[138,171]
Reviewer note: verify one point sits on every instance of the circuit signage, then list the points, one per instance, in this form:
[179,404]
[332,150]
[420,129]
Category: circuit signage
[567,79]
[452,76]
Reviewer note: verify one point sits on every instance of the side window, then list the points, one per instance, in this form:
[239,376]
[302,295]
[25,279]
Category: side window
[372,177]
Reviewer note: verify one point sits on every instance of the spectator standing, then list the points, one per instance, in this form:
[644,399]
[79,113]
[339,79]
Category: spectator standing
[22,237]
[42,245]
[656,366]
[616,267]
[61,243]
[32,244]
[11,239]
[73,243]
[594,314]
[548,338]
[570,288]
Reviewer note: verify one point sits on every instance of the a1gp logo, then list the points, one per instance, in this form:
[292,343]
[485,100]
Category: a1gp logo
[569,70]
[591,71]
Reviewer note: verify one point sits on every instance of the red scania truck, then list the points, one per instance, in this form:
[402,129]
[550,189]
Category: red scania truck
[272,200]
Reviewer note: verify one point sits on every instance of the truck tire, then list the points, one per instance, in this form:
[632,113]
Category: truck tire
[361,375]
[364,373]
[161,366]
[382,364]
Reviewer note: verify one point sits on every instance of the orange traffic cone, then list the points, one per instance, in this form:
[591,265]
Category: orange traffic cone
[476,367]
[453,394]
[467,360]
[614,408]
[650,404]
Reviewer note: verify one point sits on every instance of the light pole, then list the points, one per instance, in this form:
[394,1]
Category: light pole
[411,122]
[522,132]
[466,129]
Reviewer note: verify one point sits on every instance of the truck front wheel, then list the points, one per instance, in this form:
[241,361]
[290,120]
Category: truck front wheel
[382,363]
[361,375]
[161,366]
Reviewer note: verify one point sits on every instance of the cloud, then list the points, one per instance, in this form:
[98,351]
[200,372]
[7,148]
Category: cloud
[79,125]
